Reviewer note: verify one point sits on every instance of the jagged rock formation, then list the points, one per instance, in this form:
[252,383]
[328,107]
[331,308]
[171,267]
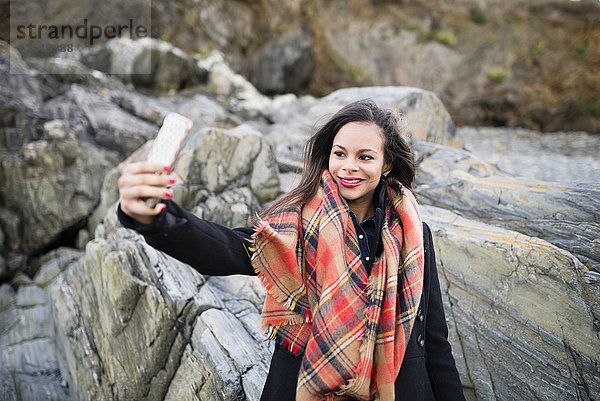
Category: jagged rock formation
[520,309]
[124,321]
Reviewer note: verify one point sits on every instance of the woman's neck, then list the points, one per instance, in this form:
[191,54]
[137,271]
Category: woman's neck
[362,210]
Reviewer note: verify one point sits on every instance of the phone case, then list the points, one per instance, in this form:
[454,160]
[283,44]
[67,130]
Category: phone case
[168,143]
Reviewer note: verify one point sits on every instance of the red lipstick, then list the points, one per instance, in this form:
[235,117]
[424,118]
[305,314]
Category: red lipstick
[350,182]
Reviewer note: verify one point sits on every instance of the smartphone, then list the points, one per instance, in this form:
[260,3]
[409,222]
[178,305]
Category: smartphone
[168,143]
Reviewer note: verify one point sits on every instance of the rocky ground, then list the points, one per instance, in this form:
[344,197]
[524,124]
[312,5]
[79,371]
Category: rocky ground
[89,311]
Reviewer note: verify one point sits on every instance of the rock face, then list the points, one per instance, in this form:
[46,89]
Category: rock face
[30,368]
[566,215]
[284,64]
[145,63]
[60,135]
[557,156]
[519,306]
[48,186]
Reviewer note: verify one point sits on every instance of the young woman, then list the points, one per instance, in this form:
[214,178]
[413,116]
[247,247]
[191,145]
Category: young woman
[353,299]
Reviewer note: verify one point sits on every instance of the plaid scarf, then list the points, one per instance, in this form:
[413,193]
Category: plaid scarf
[352,327]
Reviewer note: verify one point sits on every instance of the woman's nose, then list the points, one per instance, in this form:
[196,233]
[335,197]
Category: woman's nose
[350,165]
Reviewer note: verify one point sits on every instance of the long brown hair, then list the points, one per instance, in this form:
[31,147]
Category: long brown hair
[397,153]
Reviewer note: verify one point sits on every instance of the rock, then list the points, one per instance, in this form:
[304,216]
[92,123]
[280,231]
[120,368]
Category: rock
[227,24]
[27,348]
[112,127]
[285,64]
[120,319]
[82,238]
[53,263]
[69,70]
[28,361]
[3,270]
[96,116]
[551,156]
[447,158]
[48,187]
[240,96]
[284,108]
[145,63]
[145,317]
[202,110]
[565,215]
[519,307]
[20,98]
[6,382]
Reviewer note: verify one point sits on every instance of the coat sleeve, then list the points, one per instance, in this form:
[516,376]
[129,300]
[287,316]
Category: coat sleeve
[441,368]
[208,247]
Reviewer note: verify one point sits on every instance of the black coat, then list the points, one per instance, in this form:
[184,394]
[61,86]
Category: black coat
[428,371]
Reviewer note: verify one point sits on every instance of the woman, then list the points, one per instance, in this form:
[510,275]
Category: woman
[353,299]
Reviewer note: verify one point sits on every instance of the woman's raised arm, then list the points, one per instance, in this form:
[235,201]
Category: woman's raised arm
[208,247]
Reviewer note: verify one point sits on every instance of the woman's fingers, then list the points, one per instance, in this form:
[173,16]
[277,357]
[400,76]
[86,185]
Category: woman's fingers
[138,207]
[142,180]
[144,167]
[128,179]
[145,191]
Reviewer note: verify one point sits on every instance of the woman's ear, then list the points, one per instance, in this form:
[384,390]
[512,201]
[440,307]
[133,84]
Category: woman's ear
[386,170]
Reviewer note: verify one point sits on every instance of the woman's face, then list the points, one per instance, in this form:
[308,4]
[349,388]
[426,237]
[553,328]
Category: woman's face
[356,161]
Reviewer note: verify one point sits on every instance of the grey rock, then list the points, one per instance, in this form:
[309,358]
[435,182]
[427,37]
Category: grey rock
[565,215]
[28,361]
[53,263]
[3,270]
[48,187]
[145,63]
[30,295]
[112,127]
[551,156]
[287,107]
[69,70]
[199,108]
[119,316]
[284,64]
[7,383]
[519,307]
[21,95]
[238,94]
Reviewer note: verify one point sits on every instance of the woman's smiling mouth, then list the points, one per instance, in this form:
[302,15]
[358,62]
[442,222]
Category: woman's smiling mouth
[350,182]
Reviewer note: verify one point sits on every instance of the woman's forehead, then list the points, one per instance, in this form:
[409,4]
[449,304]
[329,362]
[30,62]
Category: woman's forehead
[358,135]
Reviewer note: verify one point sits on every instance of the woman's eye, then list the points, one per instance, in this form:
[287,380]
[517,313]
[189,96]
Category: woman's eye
[365,157]
[338,153]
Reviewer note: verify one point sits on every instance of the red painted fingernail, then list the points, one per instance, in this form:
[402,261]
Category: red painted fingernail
[168,194]
[172,181]
[163,207]
[167,168]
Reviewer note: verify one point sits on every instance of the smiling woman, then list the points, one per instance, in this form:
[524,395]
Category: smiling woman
[353,299]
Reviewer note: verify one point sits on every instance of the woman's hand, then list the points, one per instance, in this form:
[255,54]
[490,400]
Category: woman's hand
[143,180]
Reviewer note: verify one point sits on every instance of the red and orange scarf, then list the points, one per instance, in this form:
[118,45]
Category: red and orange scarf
[352,327]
